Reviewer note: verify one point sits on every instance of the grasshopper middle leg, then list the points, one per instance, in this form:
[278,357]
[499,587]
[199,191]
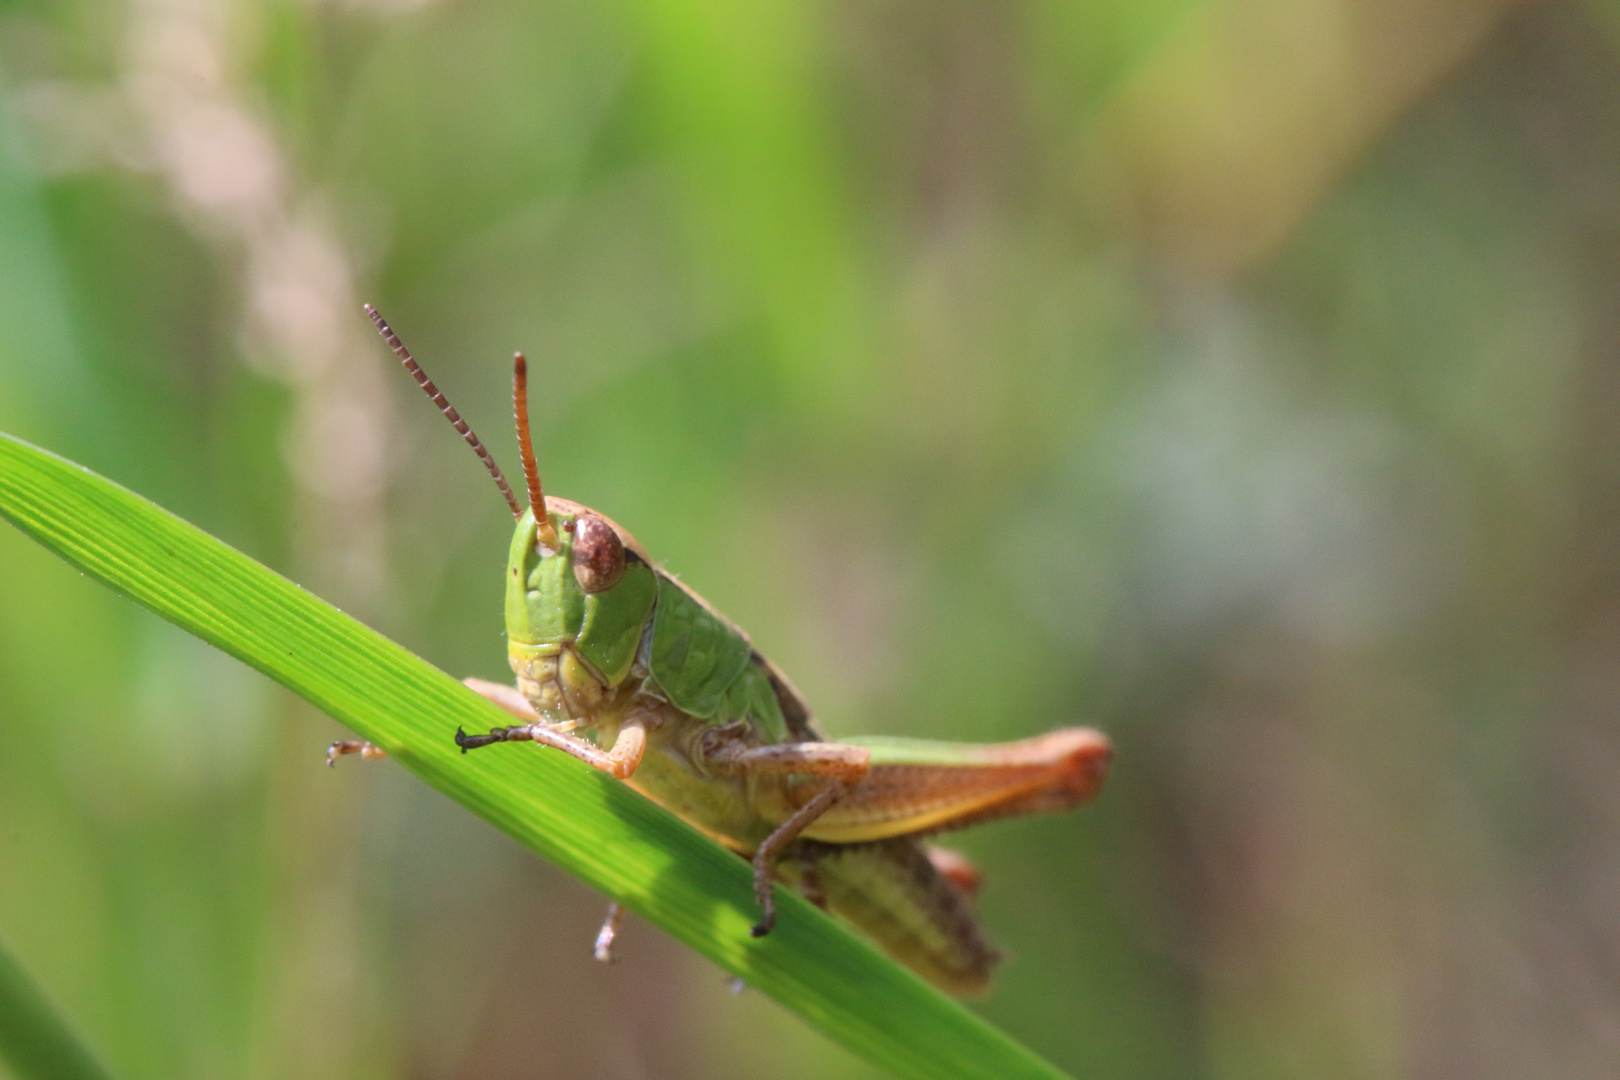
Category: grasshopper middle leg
[844,765]
[785,834]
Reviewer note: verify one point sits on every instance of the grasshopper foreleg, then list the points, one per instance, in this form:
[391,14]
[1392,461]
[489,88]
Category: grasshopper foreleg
[507,697]
[352,746]
[619,762]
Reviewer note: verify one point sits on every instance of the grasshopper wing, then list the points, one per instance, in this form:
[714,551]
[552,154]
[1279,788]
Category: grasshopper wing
[919,786]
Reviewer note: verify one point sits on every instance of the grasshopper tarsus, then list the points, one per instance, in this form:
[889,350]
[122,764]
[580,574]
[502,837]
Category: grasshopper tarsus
[506,734]
[765,897]
[767,905]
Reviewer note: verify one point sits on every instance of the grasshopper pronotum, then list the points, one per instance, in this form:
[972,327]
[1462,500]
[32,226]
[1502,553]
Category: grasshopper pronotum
[612,652]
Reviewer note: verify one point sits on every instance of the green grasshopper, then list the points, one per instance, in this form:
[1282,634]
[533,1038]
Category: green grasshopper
[624,667]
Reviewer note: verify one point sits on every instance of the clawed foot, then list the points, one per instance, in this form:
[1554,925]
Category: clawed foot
[520,733]
[767,915]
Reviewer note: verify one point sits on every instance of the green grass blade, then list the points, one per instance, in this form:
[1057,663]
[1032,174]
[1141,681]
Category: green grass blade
[36,1041]
[594,827]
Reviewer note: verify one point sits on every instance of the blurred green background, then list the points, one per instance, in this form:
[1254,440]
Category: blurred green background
[1239,376]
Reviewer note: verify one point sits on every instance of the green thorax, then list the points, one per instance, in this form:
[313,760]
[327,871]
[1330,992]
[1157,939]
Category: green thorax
[706,667]
[694,658]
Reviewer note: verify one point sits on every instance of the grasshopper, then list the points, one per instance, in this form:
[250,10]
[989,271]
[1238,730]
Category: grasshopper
[625,667]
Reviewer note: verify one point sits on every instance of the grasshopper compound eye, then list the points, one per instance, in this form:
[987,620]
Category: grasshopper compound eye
[598,554]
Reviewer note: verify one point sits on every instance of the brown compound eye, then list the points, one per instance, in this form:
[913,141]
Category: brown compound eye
[598,554]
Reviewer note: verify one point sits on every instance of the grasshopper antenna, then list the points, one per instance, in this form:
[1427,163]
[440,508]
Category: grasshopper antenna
[450,413]
[531,471]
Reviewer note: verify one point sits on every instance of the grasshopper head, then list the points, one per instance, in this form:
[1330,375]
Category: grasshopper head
[566,567]
[548,582]
[578,587]
[588,593]
[579,590]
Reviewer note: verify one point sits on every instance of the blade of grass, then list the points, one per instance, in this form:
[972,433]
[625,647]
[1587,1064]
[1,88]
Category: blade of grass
[594,827]
[36,1041]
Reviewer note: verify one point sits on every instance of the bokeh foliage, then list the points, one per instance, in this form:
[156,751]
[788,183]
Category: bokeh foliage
[1236,376]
